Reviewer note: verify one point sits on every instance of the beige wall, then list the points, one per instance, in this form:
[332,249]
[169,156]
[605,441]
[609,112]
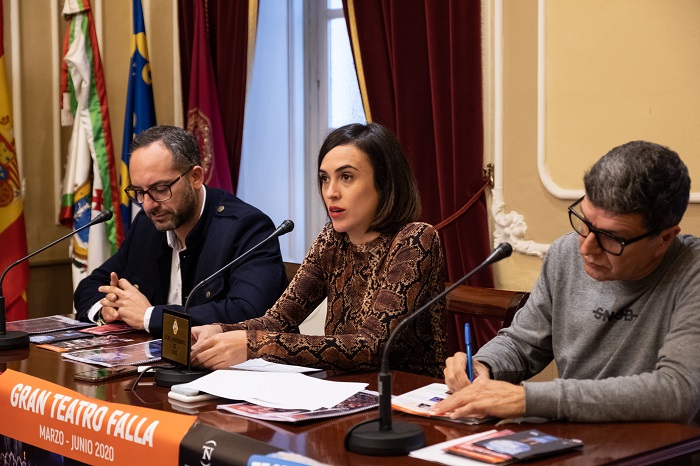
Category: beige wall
[616,70]
[38,129]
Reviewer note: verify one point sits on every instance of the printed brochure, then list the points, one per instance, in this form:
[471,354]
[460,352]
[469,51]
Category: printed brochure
[129,355]
[420,401]
[361,401]
[46,324]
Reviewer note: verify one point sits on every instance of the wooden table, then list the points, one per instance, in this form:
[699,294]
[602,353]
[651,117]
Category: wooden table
[605,443]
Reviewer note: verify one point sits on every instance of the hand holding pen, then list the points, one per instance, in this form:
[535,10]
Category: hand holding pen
[473,392]
[461,370]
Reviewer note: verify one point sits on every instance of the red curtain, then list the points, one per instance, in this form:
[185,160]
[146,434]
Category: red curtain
[419,67]
[227,24]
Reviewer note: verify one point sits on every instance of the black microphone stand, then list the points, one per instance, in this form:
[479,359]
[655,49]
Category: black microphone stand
[382,437]
[14,339]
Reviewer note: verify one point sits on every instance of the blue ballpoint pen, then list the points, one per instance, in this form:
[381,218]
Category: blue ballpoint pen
[468,347]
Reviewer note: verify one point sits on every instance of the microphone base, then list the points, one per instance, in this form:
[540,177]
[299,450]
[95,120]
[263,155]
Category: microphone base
[170,377]
[369,439]
[13,340]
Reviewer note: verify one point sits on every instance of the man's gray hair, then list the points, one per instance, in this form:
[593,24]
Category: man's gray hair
[179,142]
[641,178]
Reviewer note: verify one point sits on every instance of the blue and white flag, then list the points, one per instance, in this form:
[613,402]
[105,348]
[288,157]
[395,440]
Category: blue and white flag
[140,111]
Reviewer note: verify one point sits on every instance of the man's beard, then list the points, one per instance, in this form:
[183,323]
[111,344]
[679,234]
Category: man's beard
[187,210]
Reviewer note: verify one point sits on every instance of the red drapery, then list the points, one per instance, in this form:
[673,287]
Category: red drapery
[227,23]
[419,67]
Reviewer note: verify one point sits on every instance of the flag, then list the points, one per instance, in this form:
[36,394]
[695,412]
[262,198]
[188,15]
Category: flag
[13,236]
[203,114]
[140,111]
[90,184]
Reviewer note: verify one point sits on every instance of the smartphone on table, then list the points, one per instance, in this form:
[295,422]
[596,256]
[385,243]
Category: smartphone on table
[104,374]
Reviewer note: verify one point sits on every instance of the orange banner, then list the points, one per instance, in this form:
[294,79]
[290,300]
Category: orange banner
[63,421]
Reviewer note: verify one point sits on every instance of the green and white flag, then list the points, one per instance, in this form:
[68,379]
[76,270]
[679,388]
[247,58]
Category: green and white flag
[90,184]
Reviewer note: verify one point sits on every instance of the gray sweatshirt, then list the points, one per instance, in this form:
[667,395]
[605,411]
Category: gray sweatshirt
[625,350]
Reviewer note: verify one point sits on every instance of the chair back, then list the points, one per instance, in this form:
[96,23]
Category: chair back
[290,269]
[480,307]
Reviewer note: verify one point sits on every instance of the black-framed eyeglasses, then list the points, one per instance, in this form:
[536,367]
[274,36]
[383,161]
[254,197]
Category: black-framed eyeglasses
[158,193]
[607,241]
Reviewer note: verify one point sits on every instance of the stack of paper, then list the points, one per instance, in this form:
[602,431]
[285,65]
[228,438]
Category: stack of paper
[276,390]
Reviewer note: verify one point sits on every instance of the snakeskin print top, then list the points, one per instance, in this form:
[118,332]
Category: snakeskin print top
[370,288]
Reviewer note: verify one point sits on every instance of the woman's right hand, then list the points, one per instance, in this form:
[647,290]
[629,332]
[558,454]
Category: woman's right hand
[220,350]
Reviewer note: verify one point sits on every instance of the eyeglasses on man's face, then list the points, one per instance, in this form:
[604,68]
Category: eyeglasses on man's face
[607,241]
[158,193]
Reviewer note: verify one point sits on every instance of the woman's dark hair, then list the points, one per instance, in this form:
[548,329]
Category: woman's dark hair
[399,198]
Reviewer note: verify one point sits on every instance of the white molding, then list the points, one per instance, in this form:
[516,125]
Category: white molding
[508,226]
[550,185]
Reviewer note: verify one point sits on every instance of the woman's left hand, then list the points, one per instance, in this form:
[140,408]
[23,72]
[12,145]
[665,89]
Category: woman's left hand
[221,351]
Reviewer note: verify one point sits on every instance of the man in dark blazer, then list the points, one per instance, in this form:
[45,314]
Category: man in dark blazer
[184,233]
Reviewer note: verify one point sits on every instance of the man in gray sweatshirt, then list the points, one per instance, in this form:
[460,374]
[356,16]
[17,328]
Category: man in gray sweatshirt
[617,306]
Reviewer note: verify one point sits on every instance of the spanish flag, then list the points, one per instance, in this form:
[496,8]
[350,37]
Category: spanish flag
[13,236]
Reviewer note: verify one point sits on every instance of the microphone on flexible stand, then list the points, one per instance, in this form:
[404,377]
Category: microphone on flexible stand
[177,350]
[14,339]
[381,437]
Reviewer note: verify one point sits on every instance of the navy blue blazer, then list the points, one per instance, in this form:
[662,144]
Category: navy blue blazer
[227,228]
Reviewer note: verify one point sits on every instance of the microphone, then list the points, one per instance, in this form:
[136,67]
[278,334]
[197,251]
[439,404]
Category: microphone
[379,437]
[166,377]
[16,340]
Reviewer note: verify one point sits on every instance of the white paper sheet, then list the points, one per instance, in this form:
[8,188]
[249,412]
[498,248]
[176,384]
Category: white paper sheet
[276,390]
[261,365]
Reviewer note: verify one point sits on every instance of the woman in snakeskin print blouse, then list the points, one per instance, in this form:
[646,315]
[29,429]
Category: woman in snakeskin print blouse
[374,262]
